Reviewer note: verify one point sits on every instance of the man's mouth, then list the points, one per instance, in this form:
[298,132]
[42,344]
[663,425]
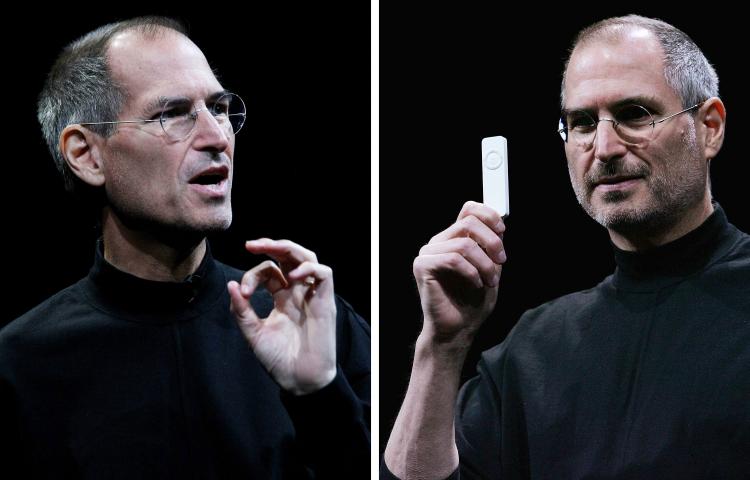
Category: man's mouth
[211,176]
[212,182]
[616,179]
[617,182]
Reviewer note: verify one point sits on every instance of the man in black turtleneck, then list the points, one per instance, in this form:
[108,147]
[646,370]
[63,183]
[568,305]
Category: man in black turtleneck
[646,375]
[163,362]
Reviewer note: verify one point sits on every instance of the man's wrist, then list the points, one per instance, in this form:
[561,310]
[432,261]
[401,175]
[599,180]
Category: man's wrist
[439,345]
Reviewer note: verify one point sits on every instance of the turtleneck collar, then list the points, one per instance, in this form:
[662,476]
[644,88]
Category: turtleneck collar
[670,263]
[147,301]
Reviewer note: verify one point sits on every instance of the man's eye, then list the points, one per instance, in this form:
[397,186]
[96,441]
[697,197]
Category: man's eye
[220,108]
[169,113]
[174,111]
[580,122]
[633,114]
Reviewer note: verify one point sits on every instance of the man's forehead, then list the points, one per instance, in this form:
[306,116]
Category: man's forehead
[632,52]
[167,63]
[164,44]
[603,71]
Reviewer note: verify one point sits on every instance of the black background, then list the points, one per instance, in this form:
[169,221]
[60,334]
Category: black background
[302,167]
[450,76]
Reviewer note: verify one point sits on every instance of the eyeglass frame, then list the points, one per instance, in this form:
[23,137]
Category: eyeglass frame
[564,130]
[193,114]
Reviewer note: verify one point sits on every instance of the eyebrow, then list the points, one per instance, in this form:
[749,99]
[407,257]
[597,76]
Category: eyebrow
[159,102]
[644,100]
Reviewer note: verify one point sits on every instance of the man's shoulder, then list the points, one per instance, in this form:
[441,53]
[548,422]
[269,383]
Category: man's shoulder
[44,319]
[729,272]
[739,253]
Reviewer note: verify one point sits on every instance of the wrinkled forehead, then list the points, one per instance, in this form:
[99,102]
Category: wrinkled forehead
[604,70]
[166,64]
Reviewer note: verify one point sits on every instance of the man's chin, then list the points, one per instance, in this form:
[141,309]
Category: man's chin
[193,230]
[211,225]
[209,220]
[618,210]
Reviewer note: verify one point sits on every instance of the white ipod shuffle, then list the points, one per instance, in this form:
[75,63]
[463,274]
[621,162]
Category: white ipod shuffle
[495,174]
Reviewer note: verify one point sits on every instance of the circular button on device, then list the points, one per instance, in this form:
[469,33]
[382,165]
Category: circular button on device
[493,160]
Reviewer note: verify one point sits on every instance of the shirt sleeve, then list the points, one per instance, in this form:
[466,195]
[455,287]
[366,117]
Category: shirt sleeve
[478,434]
[491,419]
[333,424]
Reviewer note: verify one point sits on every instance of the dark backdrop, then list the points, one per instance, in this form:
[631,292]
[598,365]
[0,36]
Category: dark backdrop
[452,75]
[302,168]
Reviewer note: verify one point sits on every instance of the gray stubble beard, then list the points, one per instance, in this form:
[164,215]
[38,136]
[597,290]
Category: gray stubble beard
[670,196]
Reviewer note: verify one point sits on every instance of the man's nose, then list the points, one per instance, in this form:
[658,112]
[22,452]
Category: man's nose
[209,132]
[607,142]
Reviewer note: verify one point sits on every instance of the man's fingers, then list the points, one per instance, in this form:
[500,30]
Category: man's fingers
[474,228]
[286,252]
[246,317]
[471,251]
[238,303]
[267,273]
[314,275]
[487,215]
[430,265]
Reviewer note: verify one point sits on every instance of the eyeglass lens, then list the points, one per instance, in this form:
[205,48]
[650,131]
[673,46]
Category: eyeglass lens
[178,118]
[633,123]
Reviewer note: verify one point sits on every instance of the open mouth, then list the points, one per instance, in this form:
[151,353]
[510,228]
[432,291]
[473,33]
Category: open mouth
[208,179]
[212,182]
[211,176]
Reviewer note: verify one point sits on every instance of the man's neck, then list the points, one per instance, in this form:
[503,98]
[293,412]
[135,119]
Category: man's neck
[142,254]
[642,241]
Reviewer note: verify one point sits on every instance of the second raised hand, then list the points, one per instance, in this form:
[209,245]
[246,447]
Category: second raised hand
[296,342]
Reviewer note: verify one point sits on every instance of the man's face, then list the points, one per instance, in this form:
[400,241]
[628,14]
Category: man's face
[151,180]
[620,185]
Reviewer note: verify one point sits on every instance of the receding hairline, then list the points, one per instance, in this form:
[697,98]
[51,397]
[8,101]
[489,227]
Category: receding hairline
[610,34]
[152,30]
[148,33]
[613,35]
[145,32]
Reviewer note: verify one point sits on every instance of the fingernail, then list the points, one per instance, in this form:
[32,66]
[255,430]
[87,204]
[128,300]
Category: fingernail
[245,290]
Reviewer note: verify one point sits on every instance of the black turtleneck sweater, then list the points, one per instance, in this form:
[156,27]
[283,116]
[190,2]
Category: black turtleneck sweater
[645,376]
[120,377]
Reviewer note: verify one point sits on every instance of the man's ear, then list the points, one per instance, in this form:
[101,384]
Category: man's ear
[713,118]
[82,155]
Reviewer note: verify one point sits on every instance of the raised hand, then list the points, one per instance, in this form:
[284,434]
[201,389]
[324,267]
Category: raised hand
[458,273]
[296,342]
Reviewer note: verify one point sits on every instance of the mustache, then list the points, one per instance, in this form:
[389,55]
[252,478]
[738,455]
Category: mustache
[614,168]
[212,159]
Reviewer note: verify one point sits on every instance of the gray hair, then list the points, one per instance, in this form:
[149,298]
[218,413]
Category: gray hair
[80,88]
[686,69]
